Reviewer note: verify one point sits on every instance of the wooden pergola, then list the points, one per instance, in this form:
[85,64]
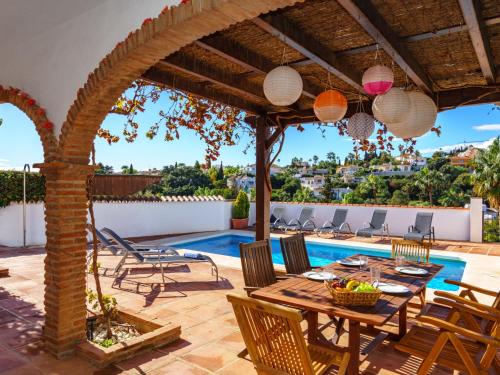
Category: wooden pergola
[448,49]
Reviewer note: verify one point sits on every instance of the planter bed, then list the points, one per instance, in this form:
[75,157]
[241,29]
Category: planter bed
[154,333]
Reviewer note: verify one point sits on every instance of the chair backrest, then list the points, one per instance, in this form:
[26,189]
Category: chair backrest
[412,250]
[257,264]
[105,243]
[295,255]
[423,222]
[305,214]
[278,212]
[123,244]
[273,336]
[339,217]
[378,219]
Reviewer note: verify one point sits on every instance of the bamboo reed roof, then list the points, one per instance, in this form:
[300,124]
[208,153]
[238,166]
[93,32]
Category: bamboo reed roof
[448,48]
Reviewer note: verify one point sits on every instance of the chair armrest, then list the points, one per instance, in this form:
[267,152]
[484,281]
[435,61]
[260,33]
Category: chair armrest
[251,288]
[294,222]
[308,222]
[472,287]
[473,308]
[447,326]
[327,224]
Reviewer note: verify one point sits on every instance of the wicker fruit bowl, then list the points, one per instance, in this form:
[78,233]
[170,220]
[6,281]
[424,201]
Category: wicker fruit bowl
[351,296]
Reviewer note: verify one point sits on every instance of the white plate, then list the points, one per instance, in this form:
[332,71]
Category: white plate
[393,288]
[319,276]
[412,270]
[350,262]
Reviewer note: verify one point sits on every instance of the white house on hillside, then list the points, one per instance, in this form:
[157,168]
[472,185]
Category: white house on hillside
[314,183]
[250,169]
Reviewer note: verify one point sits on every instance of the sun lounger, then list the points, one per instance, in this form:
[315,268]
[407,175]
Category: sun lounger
[303,222]
[422,228]
[336,225]
[157,258]
[377,225]
[277,217]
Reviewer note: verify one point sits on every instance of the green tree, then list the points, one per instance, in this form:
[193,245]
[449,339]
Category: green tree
[241,206]
[428,182]
[373,189]
[487,175]
[399,198]
[104,169]
[304,194]
[327,189]
[197,164]
[437,160]
[180,180]
[128,169]
[220,173]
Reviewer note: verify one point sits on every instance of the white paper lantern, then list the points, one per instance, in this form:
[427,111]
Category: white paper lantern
[421,117]
[360,126]
[377,80]
[391,107]
[283,86]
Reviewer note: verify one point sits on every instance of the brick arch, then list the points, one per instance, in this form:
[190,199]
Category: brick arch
[156,39]
[36,114]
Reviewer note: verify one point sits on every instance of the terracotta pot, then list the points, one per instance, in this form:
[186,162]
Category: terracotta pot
[239,223]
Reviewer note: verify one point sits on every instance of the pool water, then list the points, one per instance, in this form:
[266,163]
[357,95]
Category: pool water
[321,254]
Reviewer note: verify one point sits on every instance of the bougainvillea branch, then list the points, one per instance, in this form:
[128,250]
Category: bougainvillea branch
[215,123]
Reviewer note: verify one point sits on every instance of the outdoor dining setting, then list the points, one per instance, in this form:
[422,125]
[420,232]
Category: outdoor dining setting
[361,294]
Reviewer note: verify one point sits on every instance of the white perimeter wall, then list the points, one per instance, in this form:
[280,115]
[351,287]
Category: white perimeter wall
[132,219]
[450,224]
[128,219]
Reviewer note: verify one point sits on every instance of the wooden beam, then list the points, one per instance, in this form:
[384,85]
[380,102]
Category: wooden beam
[262,193]
[412,38]
[242,56]
[290,34]
[365,13]
[205,72]
[168,79]
[479,37]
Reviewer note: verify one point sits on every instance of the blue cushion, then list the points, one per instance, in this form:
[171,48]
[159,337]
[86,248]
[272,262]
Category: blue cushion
[192,255]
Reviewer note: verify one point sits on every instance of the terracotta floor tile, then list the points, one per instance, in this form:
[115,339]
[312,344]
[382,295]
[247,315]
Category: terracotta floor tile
[23,370]
[239,367]
[211,357]
[179,367]
[10,361]
[146,362]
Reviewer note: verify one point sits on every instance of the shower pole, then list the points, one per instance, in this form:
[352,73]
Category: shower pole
[25,168]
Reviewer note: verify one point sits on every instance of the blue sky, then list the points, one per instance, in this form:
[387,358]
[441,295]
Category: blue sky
[19,142]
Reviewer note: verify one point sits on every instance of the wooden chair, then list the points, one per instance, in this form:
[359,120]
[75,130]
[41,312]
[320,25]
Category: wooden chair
[257,265]
[465,349]
[414,251]
[274,340]
[294,252]
[468,292]
[297,262]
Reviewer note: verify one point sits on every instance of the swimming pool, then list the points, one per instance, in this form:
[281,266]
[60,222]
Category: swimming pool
[321,254]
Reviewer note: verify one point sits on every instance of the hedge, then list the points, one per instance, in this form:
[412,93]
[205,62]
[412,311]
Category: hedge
[11,187]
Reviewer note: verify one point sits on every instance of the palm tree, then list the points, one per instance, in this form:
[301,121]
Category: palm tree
[487,174]
[428,181]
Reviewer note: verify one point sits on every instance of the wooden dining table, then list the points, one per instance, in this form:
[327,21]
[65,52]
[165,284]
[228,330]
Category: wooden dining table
[314,298]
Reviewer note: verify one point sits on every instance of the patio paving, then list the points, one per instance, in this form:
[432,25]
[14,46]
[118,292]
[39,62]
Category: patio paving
[210,337]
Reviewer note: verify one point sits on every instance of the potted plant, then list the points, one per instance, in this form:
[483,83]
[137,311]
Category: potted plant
[241,208]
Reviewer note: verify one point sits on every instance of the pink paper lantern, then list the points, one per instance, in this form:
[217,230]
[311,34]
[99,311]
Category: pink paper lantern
[378,80]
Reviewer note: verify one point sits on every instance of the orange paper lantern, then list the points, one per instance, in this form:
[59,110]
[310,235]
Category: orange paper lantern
[330,106]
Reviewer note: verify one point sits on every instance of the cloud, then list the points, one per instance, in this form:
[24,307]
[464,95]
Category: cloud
[447,148]
[487,127]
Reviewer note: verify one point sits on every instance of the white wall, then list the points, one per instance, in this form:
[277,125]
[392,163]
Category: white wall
[128,219]
[50,46]
[449,223]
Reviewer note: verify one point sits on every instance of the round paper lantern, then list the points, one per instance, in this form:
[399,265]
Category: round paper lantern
[360,126]
[421,117]
[330,106]
[392,106]
[283,86]
[377,80]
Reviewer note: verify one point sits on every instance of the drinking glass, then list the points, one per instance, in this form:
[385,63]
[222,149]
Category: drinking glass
[363,262]
[375,275]
[400,261]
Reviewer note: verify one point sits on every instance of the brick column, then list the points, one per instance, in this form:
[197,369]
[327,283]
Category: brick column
[65,216]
